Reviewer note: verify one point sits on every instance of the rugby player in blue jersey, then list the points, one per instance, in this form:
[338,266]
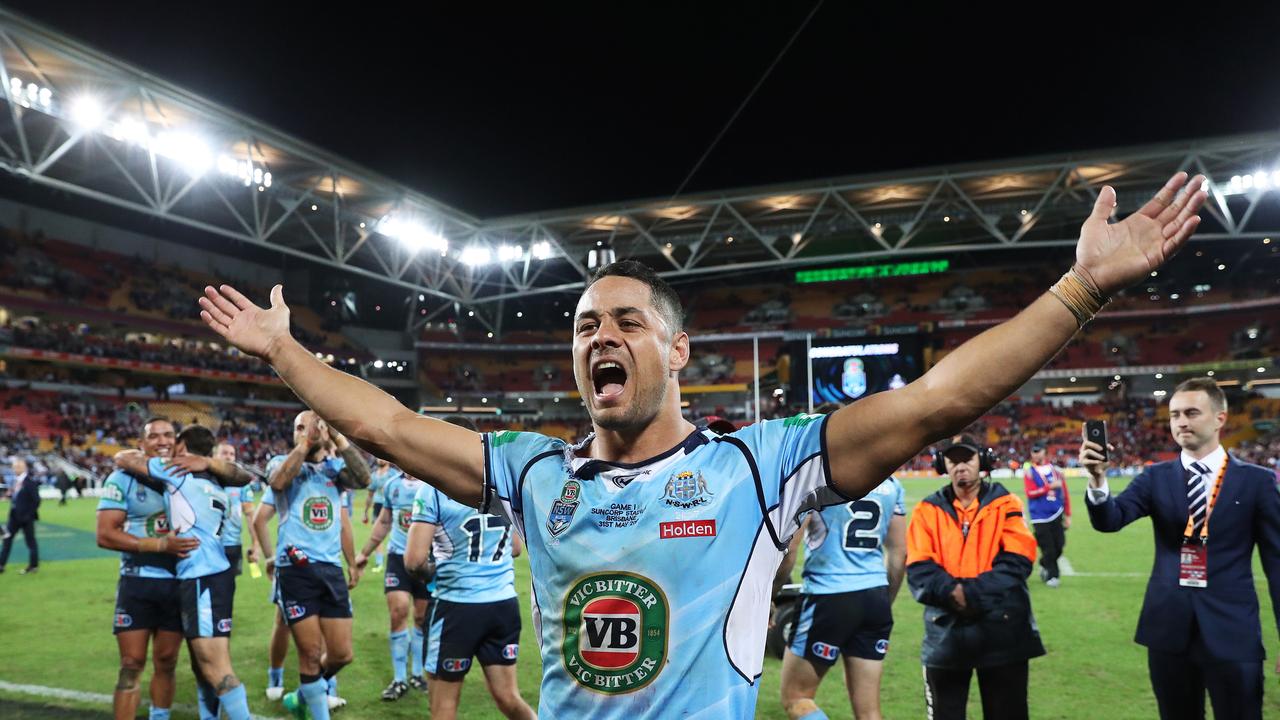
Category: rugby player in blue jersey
[240,504]
[476,614]
[654,544]
[307,486]
[196,507]
[404,592]
[382,471]
[278,648]
[132,520]
[855,559]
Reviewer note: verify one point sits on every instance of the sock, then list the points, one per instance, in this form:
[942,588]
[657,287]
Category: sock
[377,558]
[275,677]
[315,695]
[399,652]
[158,713]
[331,685]
[235,703]
[206,700]
[815,715]
[415,646]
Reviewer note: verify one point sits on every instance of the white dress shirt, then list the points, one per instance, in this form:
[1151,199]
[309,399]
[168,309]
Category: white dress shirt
[1214,461]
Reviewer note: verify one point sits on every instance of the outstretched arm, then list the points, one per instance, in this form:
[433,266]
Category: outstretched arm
[871,438]
[445,455]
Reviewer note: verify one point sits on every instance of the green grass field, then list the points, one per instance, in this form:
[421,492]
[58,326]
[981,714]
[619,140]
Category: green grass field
[55,631]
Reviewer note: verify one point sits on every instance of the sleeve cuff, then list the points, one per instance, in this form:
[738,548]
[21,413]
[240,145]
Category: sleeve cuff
[1099,495]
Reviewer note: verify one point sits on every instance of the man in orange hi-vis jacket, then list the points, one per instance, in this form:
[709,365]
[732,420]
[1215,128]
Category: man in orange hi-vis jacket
[969,554]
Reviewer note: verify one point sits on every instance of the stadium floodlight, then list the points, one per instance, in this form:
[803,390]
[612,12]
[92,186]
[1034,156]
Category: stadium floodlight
[186,149]
[476,255]
[377,364]
[448,399]
[541,250]
[87,112]
[412,235]
[510,253]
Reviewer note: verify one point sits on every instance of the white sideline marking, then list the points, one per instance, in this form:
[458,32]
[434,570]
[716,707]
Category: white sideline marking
[87,697]
[1064,566]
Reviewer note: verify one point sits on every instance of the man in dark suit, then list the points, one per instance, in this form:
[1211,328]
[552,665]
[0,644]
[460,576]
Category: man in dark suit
[1199,620]
[24,494]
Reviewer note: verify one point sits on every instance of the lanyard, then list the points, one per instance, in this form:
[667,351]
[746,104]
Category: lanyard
[1213,499]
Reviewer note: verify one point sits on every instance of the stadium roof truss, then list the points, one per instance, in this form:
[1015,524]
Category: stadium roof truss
[83,123]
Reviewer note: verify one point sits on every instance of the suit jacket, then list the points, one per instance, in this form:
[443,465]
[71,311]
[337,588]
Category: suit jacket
[1247,513]
[25,502]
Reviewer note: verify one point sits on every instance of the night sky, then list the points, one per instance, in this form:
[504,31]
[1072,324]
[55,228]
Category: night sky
[498,111]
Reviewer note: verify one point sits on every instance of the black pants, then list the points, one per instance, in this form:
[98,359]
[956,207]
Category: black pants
[1003,688]
[1052,539]
[29,534]
[1180,679]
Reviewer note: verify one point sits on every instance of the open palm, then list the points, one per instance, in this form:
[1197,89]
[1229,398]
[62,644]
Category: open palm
[254,330]
[1116,255]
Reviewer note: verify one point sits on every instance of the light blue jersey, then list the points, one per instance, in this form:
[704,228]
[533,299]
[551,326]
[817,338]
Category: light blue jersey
[378,480]
[472,550]
[232,534]
[397,497]
[652,580]
[308,512]
[844,544]
[144,517]
[197,507]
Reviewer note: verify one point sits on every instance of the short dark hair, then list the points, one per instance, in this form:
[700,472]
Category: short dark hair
[1208,386]
[662,295]
[198,439]
[153,419]
[461,421]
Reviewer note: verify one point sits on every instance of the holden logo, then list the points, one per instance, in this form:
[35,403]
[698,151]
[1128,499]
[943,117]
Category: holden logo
[317,513]
[615,632]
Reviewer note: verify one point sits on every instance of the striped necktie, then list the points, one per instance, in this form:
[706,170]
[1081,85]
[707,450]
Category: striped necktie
[1197,496]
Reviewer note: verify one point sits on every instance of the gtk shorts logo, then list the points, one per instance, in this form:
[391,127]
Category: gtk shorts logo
[224,625]
[392,581]
[455,664]
[882,646]
[510,652]
[825,651]
[123,620]
[294,611]
[615,632]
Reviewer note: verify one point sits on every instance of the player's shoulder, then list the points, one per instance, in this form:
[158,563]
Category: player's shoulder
[522,439]
[120,478]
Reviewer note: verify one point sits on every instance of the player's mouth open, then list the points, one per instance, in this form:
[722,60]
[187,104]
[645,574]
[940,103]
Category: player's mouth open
[609,379]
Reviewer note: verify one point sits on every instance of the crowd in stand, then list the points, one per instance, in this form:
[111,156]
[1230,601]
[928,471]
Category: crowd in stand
[85,340]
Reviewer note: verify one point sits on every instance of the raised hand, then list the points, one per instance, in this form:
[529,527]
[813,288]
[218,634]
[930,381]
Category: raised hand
[1115,255]
[252,329]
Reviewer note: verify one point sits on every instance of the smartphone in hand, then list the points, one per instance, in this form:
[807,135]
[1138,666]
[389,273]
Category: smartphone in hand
[1095,431]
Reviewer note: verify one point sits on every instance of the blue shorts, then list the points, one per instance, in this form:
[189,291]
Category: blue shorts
[147,604]
[857,624]
[312,590]
[398,579]
[457,632]
[206,604]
